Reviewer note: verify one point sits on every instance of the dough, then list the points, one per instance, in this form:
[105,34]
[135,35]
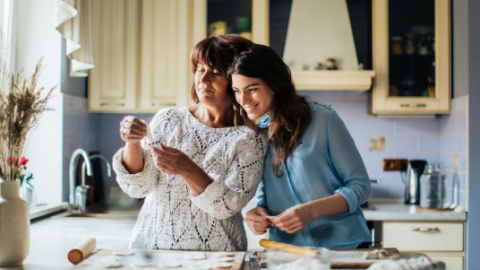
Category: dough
[111,264]
[223,254]
[376,254]
[144,264]
[123,253]
[224,259]
[170,265]
[195,256]
[201,267]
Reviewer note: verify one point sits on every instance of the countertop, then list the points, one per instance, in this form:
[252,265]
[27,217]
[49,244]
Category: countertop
[52,238]
[402,212]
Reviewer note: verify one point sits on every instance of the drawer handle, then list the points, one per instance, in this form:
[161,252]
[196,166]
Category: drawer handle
[163,104]
[425,229]
[112,104]
[413,105]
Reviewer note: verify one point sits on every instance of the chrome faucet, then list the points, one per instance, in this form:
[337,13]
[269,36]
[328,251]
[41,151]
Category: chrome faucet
[74,203]
[81,191]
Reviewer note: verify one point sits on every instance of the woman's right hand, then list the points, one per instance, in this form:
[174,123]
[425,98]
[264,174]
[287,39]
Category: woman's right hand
[257,220]
[132,130]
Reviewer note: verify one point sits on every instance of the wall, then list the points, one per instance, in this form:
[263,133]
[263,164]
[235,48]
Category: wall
[436,140]
[34,25]
[80,130]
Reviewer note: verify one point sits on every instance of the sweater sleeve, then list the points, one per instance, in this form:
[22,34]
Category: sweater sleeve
[348,164]
[229,194]
[139,185]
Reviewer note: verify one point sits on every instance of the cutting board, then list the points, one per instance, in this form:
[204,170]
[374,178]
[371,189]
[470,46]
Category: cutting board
[157,256]
[353,258]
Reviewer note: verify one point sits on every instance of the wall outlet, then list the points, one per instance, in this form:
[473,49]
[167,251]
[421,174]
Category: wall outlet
[395,164]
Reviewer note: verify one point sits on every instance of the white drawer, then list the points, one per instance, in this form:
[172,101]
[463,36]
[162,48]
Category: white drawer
[423,236]
[451,262]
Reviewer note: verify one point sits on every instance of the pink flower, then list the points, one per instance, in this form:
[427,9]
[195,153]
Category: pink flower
[23,161]
[12,161]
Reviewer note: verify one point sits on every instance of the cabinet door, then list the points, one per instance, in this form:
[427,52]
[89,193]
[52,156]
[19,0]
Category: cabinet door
[113,81]
[411,56]
[164,54]
[248,18]
[451,262]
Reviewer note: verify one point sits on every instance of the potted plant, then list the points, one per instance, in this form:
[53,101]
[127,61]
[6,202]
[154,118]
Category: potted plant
[21,106]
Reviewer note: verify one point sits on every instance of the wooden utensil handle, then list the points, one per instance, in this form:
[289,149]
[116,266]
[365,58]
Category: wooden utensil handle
[82,250]
[288,248]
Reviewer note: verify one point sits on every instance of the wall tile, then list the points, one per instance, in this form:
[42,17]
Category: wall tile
[451,143]
[381,191]
[399,192]
[387,178]
[374,160]
[110,142]
[429,157]
[401,143]
[351,110]
[323,96]
[429,144]
[416,126]
[453,125]
[69,123]
[361,142]
[357,96]
[370,126]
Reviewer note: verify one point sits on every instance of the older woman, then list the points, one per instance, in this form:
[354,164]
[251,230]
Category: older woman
[200,171]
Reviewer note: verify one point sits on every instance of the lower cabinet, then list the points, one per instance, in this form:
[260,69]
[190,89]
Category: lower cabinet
[442,241]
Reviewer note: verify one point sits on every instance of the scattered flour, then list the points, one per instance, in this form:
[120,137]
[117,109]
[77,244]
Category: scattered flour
[303,264]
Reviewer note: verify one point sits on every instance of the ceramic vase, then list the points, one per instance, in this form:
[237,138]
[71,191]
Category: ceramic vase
[14,225]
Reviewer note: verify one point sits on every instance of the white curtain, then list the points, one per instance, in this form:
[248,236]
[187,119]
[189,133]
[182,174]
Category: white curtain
[7,38]
[74,23]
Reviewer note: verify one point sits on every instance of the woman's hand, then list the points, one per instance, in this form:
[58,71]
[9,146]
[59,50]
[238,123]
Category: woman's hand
[132,130]
[293,219]
[172,161]
[257,220]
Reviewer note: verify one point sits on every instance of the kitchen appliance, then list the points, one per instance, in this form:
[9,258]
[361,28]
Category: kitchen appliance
[433,188]
[415,169]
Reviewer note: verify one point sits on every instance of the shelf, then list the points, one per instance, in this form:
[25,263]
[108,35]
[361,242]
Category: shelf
[333,79]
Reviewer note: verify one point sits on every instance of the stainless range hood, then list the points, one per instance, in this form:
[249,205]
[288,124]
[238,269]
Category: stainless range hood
[317,30]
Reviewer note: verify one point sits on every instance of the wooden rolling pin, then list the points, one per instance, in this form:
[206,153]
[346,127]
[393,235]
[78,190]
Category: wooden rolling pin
[289,248]
[82,250]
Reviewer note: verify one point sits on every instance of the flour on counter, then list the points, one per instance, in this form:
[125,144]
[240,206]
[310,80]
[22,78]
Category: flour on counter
[303,264]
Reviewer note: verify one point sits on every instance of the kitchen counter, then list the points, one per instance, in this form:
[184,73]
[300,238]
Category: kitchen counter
[52,238]
[402,212]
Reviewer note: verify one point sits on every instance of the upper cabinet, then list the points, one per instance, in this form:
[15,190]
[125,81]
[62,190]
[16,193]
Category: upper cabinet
[411,56]
[248,18]
[112,85]
[141,52]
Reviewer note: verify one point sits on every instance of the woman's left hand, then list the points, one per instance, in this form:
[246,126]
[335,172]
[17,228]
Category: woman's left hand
[171,161]
[294,219]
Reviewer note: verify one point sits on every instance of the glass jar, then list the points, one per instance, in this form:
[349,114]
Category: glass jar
[433,187]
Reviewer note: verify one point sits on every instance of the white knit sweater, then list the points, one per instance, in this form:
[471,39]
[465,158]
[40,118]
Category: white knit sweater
[172,217]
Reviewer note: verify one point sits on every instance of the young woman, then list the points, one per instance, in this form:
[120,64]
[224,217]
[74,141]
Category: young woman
[204,170]
[314,179]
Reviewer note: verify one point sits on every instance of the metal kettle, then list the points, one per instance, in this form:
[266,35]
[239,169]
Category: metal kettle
[415,169]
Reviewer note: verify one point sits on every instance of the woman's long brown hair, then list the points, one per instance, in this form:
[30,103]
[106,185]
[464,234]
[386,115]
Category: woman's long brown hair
[290,112]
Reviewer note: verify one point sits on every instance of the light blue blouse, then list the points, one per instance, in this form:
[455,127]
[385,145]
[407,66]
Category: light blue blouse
[324,163]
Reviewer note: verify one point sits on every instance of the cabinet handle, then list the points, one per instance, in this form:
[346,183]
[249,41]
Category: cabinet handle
[413,105]
[425,229]
[163,104]
[112,104]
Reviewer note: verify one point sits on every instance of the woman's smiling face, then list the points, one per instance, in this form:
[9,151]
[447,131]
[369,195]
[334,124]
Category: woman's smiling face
[253,95]
[210,84]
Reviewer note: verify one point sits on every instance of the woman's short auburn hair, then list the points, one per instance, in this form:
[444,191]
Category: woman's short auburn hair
[217,52]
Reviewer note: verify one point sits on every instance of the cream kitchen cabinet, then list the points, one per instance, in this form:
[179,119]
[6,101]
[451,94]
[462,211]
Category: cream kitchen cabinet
[411,56]
[141,53]
[112,85]
[443,241]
